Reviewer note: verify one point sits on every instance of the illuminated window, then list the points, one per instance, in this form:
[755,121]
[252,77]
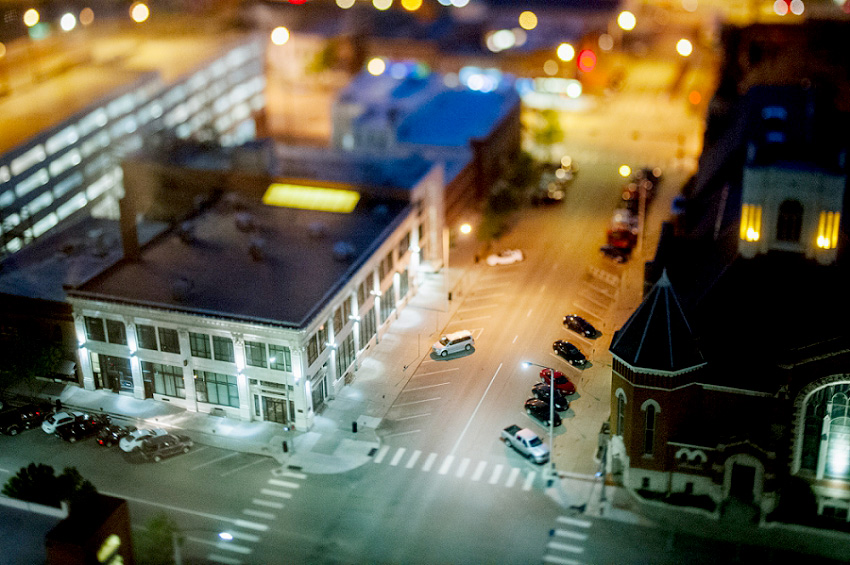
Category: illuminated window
[750,222]
[311,198]
[828,230]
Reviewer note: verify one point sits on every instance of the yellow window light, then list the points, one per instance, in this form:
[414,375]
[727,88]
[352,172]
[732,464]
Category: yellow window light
[311,198]
[828,229]
[750,222]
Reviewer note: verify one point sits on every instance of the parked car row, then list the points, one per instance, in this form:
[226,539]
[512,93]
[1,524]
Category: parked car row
[16,419]
[622,235]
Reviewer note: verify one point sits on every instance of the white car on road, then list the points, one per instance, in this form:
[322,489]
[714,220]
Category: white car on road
[134,439]
[506,257]
[53,421]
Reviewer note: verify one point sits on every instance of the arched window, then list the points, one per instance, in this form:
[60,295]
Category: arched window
[790,221]
[649,430]
[621,412]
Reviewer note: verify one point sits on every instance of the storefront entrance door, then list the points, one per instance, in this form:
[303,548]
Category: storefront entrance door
[274,410]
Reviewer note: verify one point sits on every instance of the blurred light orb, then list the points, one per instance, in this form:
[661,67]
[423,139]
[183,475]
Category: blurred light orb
[67,22]
[409,5]
[465,228]
[624,171]
[586,60]
[528,20]
[560,174]
[445,2]
[566,52]
[689,5]
[139,12]
[382,4]
[86,16]
[503,39]
[520,36]
[345,4]
[31,17]
[280,35]
[694,97]
[550,67]
[398,71]
[797,7]
[606,42]
[574,89]
[376,66]
[684,47]
[566,161]
[626,20]
[459,3]
[451,80]
[780,7]
[2,50]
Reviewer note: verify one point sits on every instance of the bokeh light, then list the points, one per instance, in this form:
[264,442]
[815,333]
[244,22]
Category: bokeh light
[626,20]
[689,5]
[566,52]
[67,22]
[382,4]
[586,60]
[566,161]
[684,47]
[459,3]
[606,42]
[31,17]
[465,228]
[797,7]
[528,20]
[2,49]
[694,97]
[345,4]
[520,36]
[500,40]
[376,66]
[86,16]
[550,67]
[139,12]
[409,5]
[280,35]
[624,171]
[780,7]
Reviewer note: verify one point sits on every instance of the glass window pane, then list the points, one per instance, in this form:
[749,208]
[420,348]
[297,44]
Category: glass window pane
[223,348]
[146,336]
[200,345]
[116,332]
[94,329]
[168,341]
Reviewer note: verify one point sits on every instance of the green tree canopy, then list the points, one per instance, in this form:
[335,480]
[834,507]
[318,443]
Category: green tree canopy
[39,483]
[25,359]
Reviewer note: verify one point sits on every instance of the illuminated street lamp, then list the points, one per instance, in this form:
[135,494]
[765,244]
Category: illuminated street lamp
[626,20]
[176,541]
[525,365]
[684,47]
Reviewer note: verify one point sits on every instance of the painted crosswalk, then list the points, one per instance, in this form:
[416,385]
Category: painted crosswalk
[566,541]
[465,468]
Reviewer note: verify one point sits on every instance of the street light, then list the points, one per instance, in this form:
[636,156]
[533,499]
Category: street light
[525,365]
[176,541]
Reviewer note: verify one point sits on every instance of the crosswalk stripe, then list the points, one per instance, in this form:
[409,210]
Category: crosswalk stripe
[413,459]
[494,478]
[277,493]
[284,484]
[529,480]
[267,503]
[479,470]
[575,522]
[565,547]
[215,558]
[293,475]
[512,478]
[397,457]
[461,470]
[258,514]
[444,468]
[382,453]
[230,546]
[429,462]
[560,560]
[251,525]
[244,536]
[571,535]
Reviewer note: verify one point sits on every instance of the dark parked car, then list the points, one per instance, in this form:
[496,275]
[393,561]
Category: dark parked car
[159,447]
[112,434]
[580,325]
[14,420]
[538,409]
[541,391]
[562,383]
[570,353]
[82,428]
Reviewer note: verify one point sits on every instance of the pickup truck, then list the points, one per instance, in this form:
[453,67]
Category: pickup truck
[527,443]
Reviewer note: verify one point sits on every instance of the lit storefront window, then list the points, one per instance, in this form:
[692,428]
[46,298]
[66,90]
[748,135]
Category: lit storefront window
[750,222]
[828,229]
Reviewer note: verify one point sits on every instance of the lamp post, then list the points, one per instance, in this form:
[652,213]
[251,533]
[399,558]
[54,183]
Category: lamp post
[176,541]
[525,365]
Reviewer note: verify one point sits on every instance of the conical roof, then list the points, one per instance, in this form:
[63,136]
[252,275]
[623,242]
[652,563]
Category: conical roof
[657,335]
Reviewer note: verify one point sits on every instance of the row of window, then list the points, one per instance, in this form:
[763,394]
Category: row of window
[789,224]
[210,387]
[257,354]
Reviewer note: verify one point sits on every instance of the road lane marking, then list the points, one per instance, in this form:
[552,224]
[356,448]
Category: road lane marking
[477,308]
[515,338]
[414,416]
[528,314]
[426,386]
[276,493]
[413,459]
[479,470]
[574,522]
[596,302]
[565,547]
[292,475]
[228,456]
[382,453]
[418,401]
[228,546]
[474,412]
[243,467]
[529,480]
[438,372]
[267,503]
[259,514]
[401,434]
[461,470]
[512,478]
[429,462]
[284,484]
[572,535]
[397,457]
[560,560]
[444,468]
[494,478]
[215,558]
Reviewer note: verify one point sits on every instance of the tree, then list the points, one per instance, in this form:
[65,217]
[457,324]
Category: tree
[38,483]
[155,545]
[24,360]
[550,130]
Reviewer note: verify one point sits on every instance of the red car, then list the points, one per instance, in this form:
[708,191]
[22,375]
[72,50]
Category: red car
[562,383]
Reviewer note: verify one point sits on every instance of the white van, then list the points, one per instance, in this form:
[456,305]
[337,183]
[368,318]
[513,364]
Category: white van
[454,342]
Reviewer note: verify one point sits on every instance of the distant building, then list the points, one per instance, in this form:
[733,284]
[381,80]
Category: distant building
[729,380]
